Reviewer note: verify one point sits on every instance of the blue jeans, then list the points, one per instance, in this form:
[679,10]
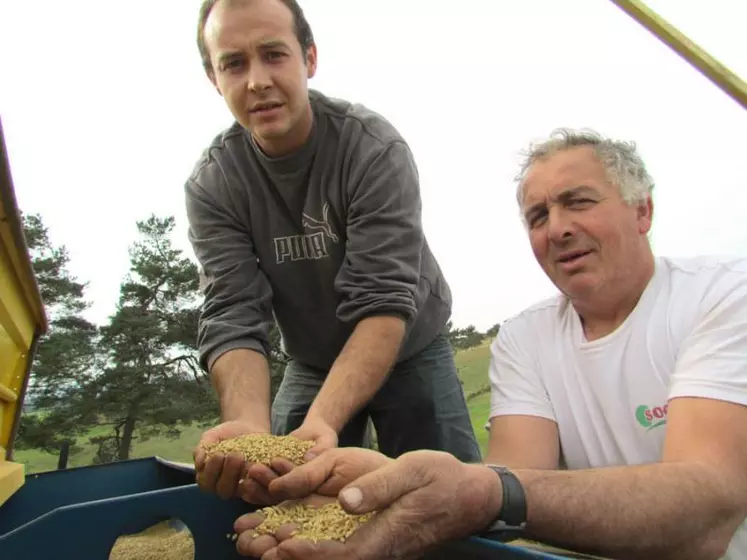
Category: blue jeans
[420,406]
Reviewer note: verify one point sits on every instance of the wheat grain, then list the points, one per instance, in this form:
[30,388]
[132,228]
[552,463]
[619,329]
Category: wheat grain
[328,522]
[262,448]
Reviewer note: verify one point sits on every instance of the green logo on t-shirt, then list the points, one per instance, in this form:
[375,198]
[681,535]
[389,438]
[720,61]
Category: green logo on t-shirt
[651,418]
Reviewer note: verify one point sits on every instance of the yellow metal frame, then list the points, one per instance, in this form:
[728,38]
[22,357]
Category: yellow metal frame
[22,321]
[711,68]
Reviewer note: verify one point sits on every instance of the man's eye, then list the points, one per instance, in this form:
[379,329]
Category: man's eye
[536,220]
[232,64]
[581,202]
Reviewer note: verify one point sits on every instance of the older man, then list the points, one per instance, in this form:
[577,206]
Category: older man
[635,377]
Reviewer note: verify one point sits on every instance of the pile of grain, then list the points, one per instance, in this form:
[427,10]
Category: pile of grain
[328,522]
[262,448]
[157,543]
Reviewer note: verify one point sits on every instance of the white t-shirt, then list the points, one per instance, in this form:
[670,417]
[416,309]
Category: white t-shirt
[686,337]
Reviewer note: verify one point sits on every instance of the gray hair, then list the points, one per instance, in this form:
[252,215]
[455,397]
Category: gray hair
[624,166]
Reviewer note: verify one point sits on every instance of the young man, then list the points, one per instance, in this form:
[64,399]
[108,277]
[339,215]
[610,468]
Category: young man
[308,208]
[635,376]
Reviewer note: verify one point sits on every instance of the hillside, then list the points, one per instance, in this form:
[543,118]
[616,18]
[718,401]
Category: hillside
[473,371]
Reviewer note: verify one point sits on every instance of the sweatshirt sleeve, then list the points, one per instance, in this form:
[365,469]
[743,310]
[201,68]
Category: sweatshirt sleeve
[381,270]
[237,308]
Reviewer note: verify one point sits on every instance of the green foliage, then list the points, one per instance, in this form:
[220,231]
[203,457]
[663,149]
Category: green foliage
[66,355]
[136,377]
[58,287]
[151,379]
[462,339]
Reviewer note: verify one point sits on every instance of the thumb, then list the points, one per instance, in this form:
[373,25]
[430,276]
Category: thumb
[322,444]
[304,480]
[378,490]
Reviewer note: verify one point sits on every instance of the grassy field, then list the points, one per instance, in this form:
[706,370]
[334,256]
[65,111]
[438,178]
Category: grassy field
[473,370]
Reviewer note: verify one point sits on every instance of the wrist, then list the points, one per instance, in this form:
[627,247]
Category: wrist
[318,414]
[510,516]
[492,488]
[257,422]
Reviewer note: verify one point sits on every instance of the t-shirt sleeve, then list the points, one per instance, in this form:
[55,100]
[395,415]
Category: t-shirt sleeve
[516,385]
[712,361]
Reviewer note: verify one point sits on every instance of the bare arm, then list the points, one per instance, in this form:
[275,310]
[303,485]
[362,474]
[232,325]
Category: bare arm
[241,378]
[377,282]
[359,371]
[523,442]
[687,506]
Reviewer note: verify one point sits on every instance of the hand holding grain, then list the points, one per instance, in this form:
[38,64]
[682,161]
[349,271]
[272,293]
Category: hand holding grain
[221,470]
[315,519]
[233,459]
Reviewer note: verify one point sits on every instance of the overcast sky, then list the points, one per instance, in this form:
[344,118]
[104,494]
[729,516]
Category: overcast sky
[105,109]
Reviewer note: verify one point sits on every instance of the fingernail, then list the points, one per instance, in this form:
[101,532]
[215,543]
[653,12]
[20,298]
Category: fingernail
[309,456]
[353,497]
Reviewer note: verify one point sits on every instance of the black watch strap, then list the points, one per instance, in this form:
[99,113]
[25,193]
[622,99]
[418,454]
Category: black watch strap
[513,515]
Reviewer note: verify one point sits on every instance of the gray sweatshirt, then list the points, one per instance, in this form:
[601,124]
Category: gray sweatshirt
[321,239]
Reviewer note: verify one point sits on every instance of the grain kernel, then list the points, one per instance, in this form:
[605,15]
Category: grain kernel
[328,522]
[262,448]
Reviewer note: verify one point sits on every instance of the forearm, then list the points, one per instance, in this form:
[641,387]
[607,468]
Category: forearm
[359,371]
[665,510]
[523,442]
[241,378]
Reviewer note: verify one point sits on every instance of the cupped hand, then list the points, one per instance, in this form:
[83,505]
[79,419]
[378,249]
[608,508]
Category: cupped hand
[423,499]
[229,475]
[315,483]
[257,547]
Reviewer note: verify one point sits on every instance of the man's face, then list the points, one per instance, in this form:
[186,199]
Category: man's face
[261,70]
[582,232]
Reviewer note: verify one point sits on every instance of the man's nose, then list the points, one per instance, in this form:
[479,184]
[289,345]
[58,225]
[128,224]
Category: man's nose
[559,225]
[259,78]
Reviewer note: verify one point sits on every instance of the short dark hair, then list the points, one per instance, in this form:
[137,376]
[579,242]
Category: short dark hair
[302,28]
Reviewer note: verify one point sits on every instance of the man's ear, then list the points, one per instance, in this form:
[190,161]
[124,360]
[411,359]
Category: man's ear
[645,215]
[311,60]
[211,77]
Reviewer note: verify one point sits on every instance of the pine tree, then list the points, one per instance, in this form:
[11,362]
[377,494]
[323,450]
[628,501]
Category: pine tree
[66,355]
[151,382]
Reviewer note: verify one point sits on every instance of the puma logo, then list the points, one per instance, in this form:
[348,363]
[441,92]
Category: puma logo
[323,224]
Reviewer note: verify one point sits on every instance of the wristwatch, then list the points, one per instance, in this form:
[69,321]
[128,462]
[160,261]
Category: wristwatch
[512,519]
